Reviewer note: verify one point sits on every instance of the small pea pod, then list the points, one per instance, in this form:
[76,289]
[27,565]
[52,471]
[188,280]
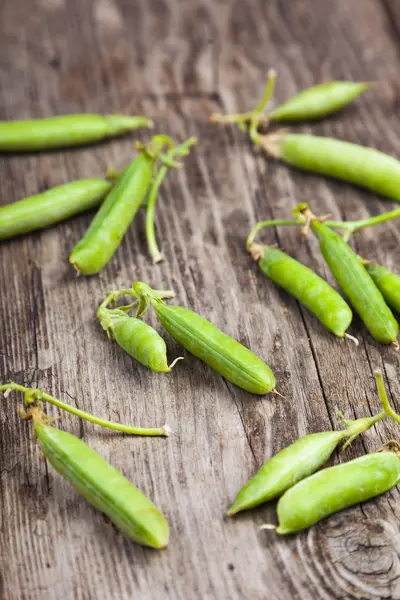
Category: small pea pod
[355,282]
[52,206]
[136,337]
[318,101]
[336,488]
[366,167]
[294,463]
[387,282]
[65,131]
[229,358]
[313,103]
[102,485]
[306,286]
[111,222]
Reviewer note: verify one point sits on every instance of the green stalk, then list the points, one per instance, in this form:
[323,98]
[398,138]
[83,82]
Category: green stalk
[351,226]
[384,398]
[181,150]
[269,223]
[36,394]
[150,214]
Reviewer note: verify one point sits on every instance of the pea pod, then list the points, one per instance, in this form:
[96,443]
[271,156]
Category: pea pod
[105,233]
[356,284]
[313,103]
[294,463]
[64,131]
[229,358]
[336,488]
[366,167]
[52,206]
[138,339]
[306,286]
[102,485]
[387,282]
[318,101]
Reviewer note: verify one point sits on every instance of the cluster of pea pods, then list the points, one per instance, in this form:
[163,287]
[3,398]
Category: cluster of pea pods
[305,496]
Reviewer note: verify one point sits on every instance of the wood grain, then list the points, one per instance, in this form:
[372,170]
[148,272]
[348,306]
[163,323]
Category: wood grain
[178,62]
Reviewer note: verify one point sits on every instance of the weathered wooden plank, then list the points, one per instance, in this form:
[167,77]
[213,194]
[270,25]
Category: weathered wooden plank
[346,381]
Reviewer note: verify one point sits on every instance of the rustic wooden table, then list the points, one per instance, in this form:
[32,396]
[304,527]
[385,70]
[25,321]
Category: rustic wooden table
[178,62]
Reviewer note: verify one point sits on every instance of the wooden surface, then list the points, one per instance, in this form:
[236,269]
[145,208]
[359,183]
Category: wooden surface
[179,61]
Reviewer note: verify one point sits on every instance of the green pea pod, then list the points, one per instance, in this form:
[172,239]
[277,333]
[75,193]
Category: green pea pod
[138,339]
[295,462]
[52,206]
[387,282]
[103,486]
[356,284]
[366,167]
[65,131]
[336,488]
[205,341]
[105,233]
[306,286]
[318,101]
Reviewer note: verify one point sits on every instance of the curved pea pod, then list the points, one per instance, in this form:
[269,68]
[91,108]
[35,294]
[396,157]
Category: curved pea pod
[105,233]
[295,462]
[336,488]
[366,167]
[104,487]
[65,131]
[306,286]
[318,101]
[229,358]
[52,206]
[137,338]
[387,282]
[356,284]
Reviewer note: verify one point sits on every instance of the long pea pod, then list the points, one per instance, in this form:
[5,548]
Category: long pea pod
[315,102]
[105,233]
[229,358]
[355,282]
[51,206]
[33,395]
[336,488]
[101,484]
[387,282]
[304,457]
[65,131]
[306,286]
[181,150]
[133,335]
[363,166]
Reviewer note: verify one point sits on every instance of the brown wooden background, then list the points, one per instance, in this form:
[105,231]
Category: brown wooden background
[179,61]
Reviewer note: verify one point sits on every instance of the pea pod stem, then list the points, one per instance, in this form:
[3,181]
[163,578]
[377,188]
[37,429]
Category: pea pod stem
[268,223]
[32,395]
[349,227]
[180,150]
[384,397]
[255,118]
